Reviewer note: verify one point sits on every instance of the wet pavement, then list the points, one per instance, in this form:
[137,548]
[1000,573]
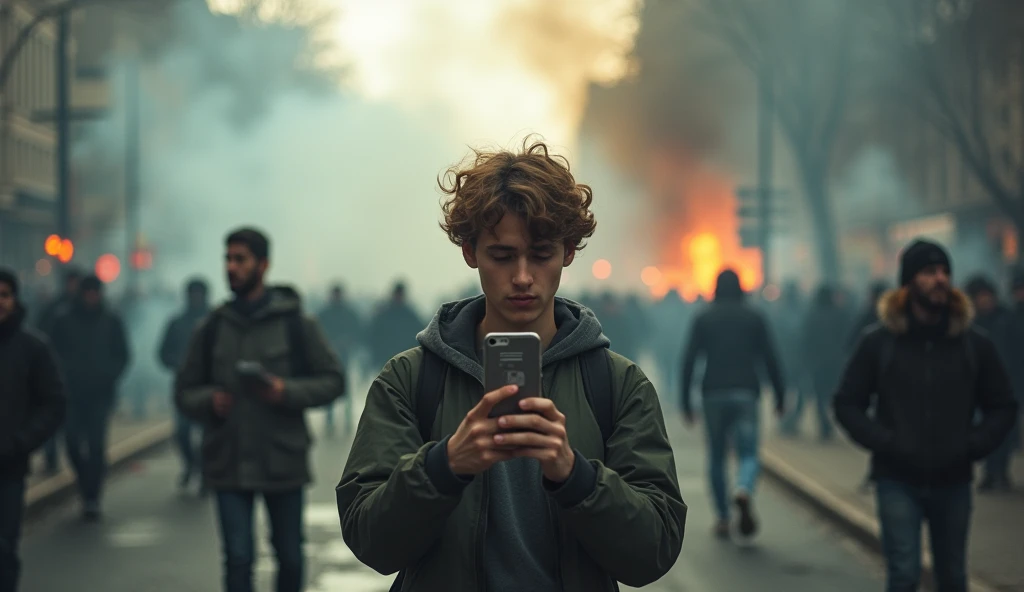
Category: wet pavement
[154,539]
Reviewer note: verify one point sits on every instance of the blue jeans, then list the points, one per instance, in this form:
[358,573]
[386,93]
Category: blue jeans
[12,503]
[902,509]
[184,432]
[735,415]
[235,510]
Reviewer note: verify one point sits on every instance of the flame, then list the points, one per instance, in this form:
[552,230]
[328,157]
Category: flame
[697,228]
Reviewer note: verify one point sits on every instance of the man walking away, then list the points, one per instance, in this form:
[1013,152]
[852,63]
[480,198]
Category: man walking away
[576,493]
[252,369]
[927,372]
[823,354]
[343,327]
[393,328]
[735,342]
[998,323]
[173,348]
[31,410]
[92,347]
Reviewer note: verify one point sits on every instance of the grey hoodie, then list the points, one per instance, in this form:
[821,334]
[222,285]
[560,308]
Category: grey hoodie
[520,547]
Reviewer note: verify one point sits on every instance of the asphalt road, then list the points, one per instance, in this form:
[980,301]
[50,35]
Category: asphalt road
[154,539]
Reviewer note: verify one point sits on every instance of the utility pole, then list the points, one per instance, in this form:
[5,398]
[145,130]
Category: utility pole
[63,128]
[765,165]
[131,172]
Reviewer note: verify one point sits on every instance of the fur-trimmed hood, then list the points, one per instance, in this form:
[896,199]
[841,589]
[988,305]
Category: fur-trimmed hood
[892,311]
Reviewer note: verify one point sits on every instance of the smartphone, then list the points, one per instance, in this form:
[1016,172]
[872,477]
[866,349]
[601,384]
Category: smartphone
[252,374]
[512,358]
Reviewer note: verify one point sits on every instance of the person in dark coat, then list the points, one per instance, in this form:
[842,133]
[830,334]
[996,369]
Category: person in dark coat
[92,347]
[998,322]
[393,328]
[343,328]
[927,372]
[173,348]
[31,410]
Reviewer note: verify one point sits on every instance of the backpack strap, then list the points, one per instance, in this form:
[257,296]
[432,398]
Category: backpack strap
[596,369]
[429,390]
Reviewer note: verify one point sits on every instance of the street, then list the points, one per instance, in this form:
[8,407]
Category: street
[154,539]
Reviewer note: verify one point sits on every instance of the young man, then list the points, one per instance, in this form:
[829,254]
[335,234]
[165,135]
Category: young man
[553,505]
[91,343]
[927,373]
[173,348]
[31,410]
[255,438]
[734,340]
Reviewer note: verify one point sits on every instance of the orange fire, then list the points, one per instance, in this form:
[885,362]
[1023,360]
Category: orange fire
[697,229]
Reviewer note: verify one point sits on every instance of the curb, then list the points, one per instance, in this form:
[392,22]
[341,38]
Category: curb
[57,487]
[857,523]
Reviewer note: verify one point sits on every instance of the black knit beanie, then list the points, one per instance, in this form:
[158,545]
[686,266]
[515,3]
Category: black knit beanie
[919,255]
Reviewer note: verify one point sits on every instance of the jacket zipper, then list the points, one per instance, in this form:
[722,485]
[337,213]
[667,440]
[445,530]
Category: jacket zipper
[481,532]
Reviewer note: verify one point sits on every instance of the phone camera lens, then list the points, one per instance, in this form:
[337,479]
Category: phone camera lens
[493,342]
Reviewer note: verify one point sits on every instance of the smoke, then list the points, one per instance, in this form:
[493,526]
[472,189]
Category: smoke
[344,180]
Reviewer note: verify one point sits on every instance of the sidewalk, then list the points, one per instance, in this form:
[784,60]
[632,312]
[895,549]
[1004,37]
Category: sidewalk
[127,439]
[829,475]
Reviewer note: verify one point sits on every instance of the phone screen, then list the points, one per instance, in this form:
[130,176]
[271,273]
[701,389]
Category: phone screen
[512,358]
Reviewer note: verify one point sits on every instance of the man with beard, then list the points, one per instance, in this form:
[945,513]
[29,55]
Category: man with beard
[928,373]
[31,410]
[173,348]
[998,323]
[252,369]
[92,347]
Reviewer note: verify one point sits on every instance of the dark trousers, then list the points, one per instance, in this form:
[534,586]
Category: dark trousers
[235,511]
[85,433]
[12,500]
[902,509]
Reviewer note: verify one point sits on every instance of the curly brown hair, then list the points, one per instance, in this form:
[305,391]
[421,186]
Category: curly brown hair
[531,183]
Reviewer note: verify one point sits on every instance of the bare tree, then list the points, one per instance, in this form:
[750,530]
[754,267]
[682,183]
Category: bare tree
[805,51]
[956,63]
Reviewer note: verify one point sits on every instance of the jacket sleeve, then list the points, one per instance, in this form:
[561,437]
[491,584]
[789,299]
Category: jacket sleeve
[770,357]
[627,512]
[169,345]
[396,492]
[121,355]
[47,402]
[858,384]
[694,347]
[192,396]
[325,382]
[994,397]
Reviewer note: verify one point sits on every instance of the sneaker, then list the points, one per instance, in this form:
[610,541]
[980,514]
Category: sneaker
[748,525]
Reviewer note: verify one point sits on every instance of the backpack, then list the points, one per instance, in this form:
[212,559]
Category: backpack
[298,360]
[595,366]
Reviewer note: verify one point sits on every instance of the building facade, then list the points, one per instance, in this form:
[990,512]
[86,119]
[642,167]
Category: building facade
[27,145]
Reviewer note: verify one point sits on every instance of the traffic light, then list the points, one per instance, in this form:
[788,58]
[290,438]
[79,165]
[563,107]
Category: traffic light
[142,259]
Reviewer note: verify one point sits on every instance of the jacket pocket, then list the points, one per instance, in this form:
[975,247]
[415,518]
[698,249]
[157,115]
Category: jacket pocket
[286,457]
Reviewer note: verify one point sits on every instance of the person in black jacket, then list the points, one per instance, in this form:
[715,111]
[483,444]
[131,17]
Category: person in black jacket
[998,323]
[91,344]
[928,372]
[735,341]
[173,348]
[31,410]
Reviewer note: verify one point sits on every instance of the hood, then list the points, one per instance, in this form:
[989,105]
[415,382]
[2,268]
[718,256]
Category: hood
[451,334]
[280,300]
[893,314]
